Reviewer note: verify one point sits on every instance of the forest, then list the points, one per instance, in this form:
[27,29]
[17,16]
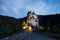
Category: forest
[11,25]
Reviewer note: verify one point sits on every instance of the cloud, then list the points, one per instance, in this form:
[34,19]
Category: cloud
[4,8]
[21,7]
[15,10]
[16,3]
[42,8]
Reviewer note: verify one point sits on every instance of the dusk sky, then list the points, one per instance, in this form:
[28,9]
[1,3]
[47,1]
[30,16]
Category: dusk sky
[19,8]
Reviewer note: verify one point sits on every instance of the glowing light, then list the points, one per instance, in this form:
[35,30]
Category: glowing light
[29,28]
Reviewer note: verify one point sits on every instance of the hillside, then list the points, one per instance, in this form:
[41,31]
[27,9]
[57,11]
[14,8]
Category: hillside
[10,25]
[51,23]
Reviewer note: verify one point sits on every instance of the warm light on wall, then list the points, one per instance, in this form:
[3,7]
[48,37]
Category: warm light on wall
[27,27]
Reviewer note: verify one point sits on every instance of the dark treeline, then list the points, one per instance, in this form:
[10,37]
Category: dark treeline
[50,23]
[10,25]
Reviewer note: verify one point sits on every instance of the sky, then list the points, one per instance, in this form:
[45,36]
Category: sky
[20,8]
